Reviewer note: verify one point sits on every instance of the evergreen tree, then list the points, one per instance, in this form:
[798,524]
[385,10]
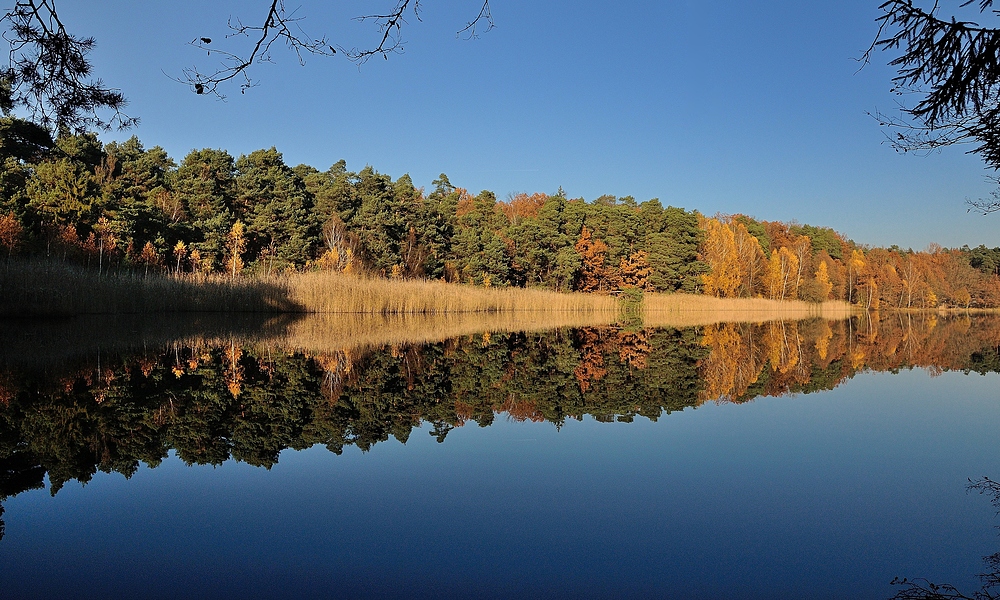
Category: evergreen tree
[206,187]
[282,231]
[380,221]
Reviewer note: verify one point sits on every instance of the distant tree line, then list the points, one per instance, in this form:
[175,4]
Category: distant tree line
[121,206]
[769,259]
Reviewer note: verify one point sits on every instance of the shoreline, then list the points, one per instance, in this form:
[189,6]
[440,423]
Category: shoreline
[44,289]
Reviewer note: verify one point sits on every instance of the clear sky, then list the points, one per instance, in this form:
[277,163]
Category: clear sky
[724,106]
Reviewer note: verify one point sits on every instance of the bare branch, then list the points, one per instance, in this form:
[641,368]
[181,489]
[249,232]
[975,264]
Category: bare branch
[470,29]
[279,25]
[390,26]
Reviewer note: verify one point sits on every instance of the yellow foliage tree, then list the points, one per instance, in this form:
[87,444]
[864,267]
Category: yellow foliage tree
[180,253]
[823,279]
[750,258]
[963,297]
[149,256]
[195,259]
[236,246]
[719,252]
[931,299]
[781,277]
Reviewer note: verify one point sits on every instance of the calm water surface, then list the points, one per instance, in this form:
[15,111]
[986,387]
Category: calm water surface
[814,459]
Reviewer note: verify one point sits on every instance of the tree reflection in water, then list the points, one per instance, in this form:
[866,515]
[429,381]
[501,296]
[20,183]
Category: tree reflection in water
[211,401]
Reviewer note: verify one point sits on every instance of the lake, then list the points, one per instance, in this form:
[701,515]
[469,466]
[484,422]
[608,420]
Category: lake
[333,458]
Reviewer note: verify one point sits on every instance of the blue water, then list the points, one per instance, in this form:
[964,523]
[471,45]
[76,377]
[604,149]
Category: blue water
[826,495]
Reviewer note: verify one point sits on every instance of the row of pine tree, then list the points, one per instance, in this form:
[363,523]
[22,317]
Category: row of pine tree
[121,206]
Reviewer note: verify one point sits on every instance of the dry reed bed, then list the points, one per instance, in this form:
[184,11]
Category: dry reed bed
[335,293]
[46,288]
[691,310]
[49,288]
[370,318]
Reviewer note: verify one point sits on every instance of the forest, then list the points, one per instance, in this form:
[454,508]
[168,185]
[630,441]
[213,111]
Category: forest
[122,208]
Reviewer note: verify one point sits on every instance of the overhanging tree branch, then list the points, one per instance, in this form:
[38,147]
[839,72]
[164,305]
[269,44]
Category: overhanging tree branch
[279,25]
[282,25]
[49,75]
[390,26]
[470,31]
[953,67]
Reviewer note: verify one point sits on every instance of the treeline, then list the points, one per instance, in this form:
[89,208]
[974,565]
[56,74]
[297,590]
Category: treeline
[750,258]
[121,206]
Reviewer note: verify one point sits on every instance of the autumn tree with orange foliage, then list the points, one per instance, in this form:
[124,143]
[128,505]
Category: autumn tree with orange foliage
[10,233]
[750,259]
[634,272]
[593,253]
[781,278]
[823,284]
[522,206]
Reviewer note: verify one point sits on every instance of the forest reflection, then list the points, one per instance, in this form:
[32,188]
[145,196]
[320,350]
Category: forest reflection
[213,399]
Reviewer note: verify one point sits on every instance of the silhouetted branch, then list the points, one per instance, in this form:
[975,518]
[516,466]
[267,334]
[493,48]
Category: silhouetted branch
[49,76]
[279,25]
[986,485]
[985,205]
[390,26]
[954,66]
[471,28]
[922,589]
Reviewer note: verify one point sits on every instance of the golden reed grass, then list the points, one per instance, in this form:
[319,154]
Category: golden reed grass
[336,293]
[46,288]
[50,288]
[691,310]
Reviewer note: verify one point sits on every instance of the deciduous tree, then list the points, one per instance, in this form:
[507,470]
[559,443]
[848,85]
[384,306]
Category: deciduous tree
[593,253]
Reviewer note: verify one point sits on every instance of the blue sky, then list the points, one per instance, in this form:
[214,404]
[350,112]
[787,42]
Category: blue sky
[719,106]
